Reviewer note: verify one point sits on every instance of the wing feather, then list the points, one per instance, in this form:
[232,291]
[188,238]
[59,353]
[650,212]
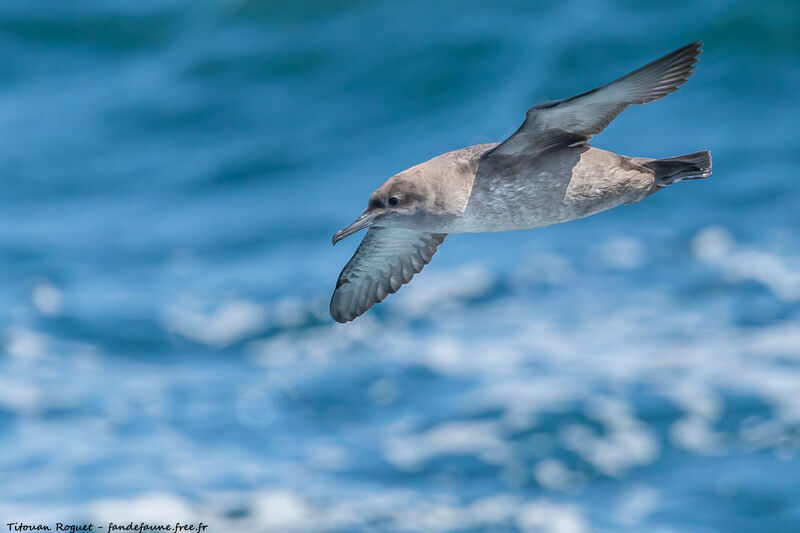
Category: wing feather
[574,120]
[386,259]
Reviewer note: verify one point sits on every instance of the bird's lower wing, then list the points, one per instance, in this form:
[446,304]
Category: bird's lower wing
[386,259]
[574,120]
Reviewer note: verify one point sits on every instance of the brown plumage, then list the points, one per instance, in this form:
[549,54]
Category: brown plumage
[545,173]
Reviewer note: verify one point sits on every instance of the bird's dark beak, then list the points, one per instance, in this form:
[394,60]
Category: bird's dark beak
[364,221]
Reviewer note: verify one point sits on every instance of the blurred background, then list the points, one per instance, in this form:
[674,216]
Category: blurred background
[172,173]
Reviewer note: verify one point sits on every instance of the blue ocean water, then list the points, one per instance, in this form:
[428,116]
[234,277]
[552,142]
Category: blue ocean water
[172,173]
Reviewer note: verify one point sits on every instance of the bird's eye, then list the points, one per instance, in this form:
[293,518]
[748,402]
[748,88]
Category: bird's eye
[394,200]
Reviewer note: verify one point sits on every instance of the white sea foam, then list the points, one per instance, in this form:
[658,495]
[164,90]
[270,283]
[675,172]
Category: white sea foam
[715,246]
[636,504]
[25,343]
[47,298]
[17,396]
[549,517]
[554,474]
[442,292]
[231,322]
[624,254]
[453,438]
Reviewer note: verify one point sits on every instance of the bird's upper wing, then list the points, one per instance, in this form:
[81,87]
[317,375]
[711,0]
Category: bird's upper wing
[386,259]
[574,120]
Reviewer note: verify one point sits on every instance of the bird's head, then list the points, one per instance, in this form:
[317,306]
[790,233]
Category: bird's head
[393,201]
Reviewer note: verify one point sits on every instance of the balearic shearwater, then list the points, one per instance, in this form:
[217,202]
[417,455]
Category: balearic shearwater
[545,173]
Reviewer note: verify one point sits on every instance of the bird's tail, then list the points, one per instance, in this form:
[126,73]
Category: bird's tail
[681,167]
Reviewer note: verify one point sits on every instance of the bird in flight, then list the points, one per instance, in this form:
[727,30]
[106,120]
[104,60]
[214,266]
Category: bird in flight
[545,173]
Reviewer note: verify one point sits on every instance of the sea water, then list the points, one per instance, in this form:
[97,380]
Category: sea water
[172,172]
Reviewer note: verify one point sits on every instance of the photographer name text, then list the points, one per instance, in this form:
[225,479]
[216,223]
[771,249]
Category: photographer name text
[141,527]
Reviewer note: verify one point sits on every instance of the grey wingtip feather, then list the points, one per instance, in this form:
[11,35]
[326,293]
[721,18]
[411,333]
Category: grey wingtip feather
[669,72]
